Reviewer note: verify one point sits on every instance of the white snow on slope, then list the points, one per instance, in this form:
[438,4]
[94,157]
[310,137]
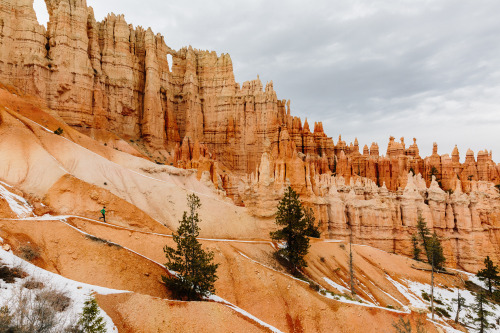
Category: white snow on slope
[77,291]
[336,286]
[446,296]
[16,203]
[243,312]
[413,299]
[474,279]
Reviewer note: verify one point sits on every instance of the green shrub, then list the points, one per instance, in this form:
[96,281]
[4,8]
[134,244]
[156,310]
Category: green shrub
[440,312]
[59,131]
[314,286]
[5,319]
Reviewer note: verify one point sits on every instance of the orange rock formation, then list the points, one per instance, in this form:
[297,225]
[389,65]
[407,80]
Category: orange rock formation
[112,77]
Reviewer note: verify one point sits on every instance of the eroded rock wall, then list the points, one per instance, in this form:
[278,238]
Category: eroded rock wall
[113,76]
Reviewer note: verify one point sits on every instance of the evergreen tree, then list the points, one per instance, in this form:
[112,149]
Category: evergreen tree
[431,244]
[312,229]
[423,232]
[460,303]
[436,255]
[90,321]
[489,274]
[291,215]
[433,251]
[416,248]
[479,308]
[195,271]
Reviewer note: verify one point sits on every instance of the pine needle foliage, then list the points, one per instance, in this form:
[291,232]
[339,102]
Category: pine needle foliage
[460,304]
[423,231]
[416,247]
[489,274]
[90,321]
[431,244]
[312,229]
[195,271]
[481,314]
[435,250]
[290,215]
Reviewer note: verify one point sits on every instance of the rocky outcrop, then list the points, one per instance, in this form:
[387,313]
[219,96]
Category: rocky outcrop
[468,224]
[113,77]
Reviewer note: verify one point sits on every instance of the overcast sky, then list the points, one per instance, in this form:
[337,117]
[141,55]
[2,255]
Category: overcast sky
[369,69]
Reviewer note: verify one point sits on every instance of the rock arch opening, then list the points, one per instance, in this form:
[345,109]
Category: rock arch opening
[42,14]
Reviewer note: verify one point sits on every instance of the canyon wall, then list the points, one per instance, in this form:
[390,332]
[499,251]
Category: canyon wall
[113,76]
[110,75]
[467,224]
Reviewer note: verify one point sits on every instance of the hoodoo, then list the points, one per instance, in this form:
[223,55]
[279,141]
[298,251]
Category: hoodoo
[92,114]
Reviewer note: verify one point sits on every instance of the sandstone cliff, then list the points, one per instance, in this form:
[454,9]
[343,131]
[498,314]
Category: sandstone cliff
[113,77]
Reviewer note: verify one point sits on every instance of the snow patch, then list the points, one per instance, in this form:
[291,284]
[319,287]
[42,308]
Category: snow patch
[243,312]
[16,203]
[77,291]
[446,296]
[414,300]
[336,286]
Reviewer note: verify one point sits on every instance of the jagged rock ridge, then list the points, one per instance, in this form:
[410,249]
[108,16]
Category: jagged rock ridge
[112,76]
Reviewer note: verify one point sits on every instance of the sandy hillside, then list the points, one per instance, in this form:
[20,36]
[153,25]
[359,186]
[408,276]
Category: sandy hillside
[53,187]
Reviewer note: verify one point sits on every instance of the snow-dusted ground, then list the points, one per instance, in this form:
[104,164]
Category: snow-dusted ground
[413,291]
[243,312]
[77,291]
[16,203]
[447,295]
[336,285]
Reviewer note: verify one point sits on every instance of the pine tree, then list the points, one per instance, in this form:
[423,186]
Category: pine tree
[351,267]
[460,303]
[424,233]
[195,271]
[291,215]
[433,251]
[402,326]
[312,229]
[435,248]
[479,308]
[416,248]
[90,321]
[431,244]
[489,274]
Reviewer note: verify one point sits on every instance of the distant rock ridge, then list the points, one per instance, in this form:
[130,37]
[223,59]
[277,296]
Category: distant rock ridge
[111,76]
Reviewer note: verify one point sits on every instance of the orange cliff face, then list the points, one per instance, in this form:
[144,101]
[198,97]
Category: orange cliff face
[109,75]
[243,140]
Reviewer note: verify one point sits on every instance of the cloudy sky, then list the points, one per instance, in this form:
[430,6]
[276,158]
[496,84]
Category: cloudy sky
[369,69]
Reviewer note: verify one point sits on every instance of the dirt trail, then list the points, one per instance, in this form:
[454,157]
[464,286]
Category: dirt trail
[74,175]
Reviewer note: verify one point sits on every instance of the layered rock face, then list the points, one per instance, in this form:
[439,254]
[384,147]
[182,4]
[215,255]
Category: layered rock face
[111,76]
[468,224]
